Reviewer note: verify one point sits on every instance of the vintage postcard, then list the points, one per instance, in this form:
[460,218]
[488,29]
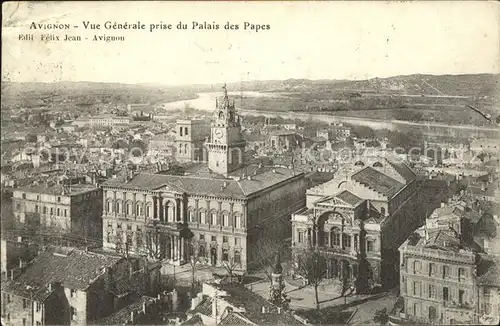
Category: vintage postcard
[250,163]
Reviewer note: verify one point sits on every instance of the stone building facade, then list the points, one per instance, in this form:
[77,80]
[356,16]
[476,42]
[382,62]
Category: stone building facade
[359,219]
[444,282]
[64,287]
[223,211]
[190,139]
[72,209]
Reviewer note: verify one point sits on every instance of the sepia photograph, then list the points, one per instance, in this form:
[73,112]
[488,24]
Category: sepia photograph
[250,163]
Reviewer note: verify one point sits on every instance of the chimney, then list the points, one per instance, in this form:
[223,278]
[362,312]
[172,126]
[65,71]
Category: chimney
[264,310]
[21,263]
[132,317]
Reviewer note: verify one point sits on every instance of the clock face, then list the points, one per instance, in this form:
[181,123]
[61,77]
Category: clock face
[218,133]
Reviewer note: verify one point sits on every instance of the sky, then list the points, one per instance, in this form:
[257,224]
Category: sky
[313,40]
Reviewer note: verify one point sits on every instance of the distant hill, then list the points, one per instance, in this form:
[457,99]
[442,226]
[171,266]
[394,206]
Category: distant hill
[461,85]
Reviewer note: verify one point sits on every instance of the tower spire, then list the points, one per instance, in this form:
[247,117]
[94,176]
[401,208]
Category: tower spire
[225,91]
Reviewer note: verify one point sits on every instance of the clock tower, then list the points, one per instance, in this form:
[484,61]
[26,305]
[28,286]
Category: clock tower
[226,147]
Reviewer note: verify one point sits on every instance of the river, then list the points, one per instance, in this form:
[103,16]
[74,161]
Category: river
[206,102]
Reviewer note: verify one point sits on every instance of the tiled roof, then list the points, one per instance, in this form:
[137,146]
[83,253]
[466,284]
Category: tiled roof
[378,181]
[123,316]
[349,197]
[242,297]
[204,307]
[404,170]
[75,270]
[195,321]
[122,287]
[445,239]
[57,189]
[265,178]
[235,319]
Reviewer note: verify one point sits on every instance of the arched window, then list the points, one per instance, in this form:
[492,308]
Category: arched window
[213,218]
[334,237]
[186,131]
[237,221]
[225,219]
[180,131]
[138,209]
[118,207]
[225,255]
[377,165]
[110,206]
[359,163]
[203,217]
[129,208]
[201,251]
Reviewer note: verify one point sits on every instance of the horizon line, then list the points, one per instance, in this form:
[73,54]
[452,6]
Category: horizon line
[246,81]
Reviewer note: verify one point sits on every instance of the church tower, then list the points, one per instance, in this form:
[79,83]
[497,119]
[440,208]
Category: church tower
[226,147]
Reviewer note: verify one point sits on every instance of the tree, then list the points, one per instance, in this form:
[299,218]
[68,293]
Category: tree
[194,261]
[265,251]
[231,266]
[311,264]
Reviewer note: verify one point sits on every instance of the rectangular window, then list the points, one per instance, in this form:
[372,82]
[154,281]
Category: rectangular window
[18,207]
[432,269]
[461,296]
[24,321]
[355,242]
[52,211]
[72,293]
[445,294]
[73,313]
[236,241]
[214,238]
[225,239]
[129,227]
[148,211]
[416,288]
[446,271]
[38,306]
[65,213]
[301,237]
[38,323]
[36,208]
[461,274]
[25,303]
[58,212]
[202,237]
[370,245]
[213,217]
[45,210]
[346,241]
[432,291]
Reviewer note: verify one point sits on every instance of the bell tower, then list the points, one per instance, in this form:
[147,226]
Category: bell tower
[226,146]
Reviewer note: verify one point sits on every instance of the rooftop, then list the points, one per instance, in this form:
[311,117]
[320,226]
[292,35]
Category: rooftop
[122,316]
[72,268]
[57,189]
[263,178]
[240,296]
[378,181]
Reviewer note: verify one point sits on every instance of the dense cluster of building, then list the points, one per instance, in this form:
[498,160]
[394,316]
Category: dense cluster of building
[208,193]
